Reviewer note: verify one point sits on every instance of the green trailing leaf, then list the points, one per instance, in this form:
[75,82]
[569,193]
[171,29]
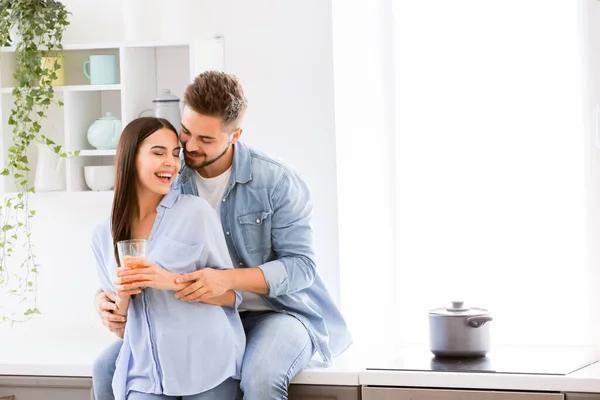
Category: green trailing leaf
[41,25]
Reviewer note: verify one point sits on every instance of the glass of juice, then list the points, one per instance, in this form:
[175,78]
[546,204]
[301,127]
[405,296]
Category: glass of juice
[134,248]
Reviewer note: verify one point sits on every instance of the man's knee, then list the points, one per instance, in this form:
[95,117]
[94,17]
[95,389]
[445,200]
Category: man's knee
[277,348]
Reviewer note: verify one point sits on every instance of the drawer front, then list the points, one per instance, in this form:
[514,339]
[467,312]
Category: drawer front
[582,396]
[323,392]
[370,393]
[45,388]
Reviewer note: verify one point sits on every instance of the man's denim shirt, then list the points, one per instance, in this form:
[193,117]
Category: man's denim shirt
[266,213]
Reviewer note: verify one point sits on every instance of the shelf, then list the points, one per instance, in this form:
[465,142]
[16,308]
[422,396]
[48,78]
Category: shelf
[57,193]
[86,153]
[143,69]
[98,46]
[75,88]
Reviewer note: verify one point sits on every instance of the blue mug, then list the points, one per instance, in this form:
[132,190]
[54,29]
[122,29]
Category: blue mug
[101,69]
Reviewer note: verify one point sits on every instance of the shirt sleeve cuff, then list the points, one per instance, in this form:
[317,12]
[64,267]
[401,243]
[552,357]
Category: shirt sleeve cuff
[276,277]
[238,298]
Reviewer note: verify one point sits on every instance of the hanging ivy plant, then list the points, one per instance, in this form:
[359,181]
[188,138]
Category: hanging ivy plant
[39,26]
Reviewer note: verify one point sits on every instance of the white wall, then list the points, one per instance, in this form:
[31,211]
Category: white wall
[591,81]
[362,34]
[282,53]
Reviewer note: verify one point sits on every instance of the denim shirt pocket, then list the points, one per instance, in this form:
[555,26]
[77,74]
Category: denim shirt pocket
[177,256]
[256,229]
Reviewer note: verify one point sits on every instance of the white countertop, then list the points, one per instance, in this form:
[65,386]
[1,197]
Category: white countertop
[70,351]
[585,379]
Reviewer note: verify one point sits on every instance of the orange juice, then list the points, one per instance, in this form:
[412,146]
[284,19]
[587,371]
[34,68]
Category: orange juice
[131,266]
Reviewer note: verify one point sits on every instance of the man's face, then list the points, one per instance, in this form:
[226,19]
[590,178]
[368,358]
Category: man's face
[203,139]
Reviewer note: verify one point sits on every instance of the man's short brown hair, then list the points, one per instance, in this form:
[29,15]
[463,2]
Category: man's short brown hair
[217,94]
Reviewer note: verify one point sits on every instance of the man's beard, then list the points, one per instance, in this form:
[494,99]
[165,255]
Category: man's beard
[193,165]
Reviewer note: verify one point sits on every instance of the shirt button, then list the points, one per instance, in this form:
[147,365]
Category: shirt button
[258,221]
[224,199]
[227,233]
[241,263]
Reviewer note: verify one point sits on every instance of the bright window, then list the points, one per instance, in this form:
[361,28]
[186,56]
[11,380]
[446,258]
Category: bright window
[492,144]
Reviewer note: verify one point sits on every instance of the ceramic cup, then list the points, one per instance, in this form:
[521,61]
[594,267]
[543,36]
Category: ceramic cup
[49,62]
[101,69]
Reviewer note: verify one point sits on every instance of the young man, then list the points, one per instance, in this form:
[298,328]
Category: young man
[265,211]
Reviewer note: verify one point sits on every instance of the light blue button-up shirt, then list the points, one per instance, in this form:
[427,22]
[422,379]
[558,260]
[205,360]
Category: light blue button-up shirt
[173,347]
[266,215]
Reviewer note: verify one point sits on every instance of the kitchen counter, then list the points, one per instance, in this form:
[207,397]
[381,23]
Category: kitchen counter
[69,351]
[585,380]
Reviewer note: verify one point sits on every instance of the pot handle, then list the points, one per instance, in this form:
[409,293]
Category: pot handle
[476,322]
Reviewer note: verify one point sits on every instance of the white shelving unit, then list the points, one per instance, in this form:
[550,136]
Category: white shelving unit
[143,70]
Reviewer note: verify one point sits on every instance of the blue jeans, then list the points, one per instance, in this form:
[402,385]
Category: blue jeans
[278,347]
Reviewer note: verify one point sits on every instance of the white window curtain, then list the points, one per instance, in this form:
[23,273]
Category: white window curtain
[494,181]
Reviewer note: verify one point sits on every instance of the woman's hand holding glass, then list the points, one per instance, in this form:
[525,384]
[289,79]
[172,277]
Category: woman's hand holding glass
[141,273]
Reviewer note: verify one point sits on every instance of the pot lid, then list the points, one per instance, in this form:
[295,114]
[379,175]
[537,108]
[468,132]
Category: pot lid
[458,309]
[165,96]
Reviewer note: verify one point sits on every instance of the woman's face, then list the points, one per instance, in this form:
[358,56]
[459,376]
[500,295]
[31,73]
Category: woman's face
[157,161]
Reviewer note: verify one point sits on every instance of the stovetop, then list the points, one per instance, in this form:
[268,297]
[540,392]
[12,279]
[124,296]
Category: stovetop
[506,359]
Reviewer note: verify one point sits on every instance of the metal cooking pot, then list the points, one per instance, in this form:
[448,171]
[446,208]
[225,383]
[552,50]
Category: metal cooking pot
[459,331]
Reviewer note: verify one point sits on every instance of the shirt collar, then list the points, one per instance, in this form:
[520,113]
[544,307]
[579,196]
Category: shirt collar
[242,163]
[169,198]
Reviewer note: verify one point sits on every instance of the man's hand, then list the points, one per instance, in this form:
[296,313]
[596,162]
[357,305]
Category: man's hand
[142,273]
[105,304]
[206,284]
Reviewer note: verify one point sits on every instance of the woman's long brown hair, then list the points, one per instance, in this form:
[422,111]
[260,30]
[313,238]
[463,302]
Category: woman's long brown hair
[125,196]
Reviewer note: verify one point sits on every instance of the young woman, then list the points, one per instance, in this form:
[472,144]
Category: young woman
[171,348]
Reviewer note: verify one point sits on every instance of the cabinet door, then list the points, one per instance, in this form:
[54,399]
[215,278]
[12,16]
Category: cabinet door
[582,396]
[45,388]
[434,394]
[320,392]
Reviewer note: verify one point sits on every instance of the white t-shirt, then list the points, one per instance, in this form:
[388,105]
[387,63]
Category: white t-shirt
[212,190]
